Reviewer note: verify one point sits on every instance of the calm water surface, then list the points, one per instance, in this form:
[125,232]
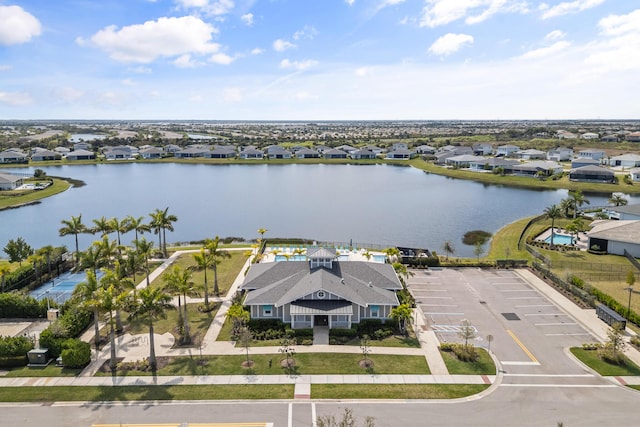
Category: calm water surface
[380,204]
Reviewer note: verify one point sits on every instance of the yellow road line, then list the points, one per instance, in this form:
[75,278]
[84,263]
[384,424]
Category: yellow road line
[525,349]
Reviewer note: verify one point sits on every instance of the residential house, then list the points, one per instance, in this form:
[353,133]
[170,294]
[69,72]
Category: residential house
[625,160]
[221,153]
[591,153]
[615,237]
[81,155]
[633,137]
[583,161]
[118,153]
[483,149]
[399,146]
[171,148]
[9,181]
[463,161]
[563,134]
[335,154]
[506,150]
[543,167]
[307,153]
[493,163]
[425,149]
[347,148]
[151,153]
[373,148]
[277,152]
[82,146]
[400,154]
[628,212]
[592,174]
[251,153]
[560,154]
[363,154]
[531,154]
[635,174]
[11,156]
[610,138]
[589,135]
[191,152]
[62,150]
[321,291]
[45,155]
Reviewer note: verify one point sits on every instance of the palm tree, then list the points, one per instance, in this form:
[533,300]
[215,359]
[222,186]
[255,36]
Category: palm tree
[73,226]
[101,225]
[122,285]
[108,301]
[217,255]
[151,304]
[552,212]
[133,261]
[119,226]
[144,249]
[37,261]
[108,249]
[566,205]
[161,221]
[578,200]
[617,199]
[92,258]
[448,248]
[203,261]
[86,293]
[392,253]
[179,283]
[401,314]
[47,252]
[138,225]
[261,232]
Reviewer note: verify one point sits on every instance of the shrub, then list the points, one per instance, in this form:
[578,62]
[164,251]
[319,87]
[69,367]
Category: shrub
[635,341]
[446,346]
[609,356]
[76,353]
[13,361]
[591,346]
[464,353]
[49,340]
[14,305]
[15,346]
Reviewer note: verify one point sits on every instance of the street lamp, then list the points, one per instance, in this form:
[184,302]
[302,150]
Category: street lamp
[631,291]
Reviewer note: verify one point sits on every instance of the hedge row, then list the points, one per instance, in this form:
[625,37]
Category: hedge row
[17,306]
[71,324]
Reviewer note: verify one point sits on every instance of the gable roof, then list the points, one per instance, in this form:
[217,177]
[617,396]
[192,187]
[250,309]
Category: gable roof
[361,282]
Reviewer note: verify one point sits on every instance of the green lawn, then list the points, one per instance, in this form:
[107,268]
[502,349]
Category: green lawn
[306,364]
[395,391]
[50,371]
[483,366]
[228,270]
[592,360]
[15,198]
[133,393]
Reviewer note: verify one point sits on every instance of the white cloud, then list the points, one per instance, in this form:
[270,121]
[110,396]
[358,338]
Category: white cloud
[450,43]
[232,94]
[618,49]
[546,51]
[185,61]
[350,2]
[140,70]
[555,35]
[442,12]
[216,8]
[569,7]
[247,19]
[614,25]
[165,37]
[298,65]
[221,58]
[68,94]
[5,67]
[304,95]
[363,71]
[18,26]
[129,82]
[281,45]
[15,99]
[308,32]
[257,51]
[196,98]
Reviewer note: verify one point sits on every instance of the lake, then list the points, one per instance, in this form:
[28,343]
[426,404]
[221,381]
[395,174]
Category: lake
[380,204]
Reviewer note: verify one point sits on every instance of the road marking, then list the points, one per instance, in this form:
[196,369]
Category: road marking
[290,416]
[570,335]
[535,305]
[551,375]
[561,385]
[525,349]
[313,415]
[448,314]
[555,324]
[518,363]
[545,314]
[450,328]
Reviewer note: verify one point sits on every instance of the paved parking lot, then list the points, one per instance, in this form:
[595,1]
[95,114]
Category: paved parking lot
[530,333]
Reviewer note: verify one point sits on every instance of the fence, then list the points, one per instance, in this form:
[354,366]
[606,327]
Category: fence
[538,255]
[574,290]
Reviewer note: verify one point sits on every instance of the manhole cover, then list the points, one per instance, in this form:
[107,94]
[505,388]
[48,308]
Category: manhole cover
[510,316]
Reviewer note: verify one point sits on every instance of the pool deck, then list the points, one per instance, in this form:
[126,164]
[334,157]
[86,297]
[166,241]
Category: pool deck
[270,253]
[582,242]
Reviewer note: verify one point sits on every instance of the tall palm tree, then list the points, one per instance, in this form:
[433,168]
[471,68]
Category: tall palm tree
[578,200]
[137,225]
[448,248]
[37,261]
[73,226]
[161,221]
[392,254]
[119,226]
[108,250]
[86,294]
[553,212]
[617,199]
[108,301]
[92,258]
[133,262]
[179,283]
[122,285]
[566,206]
[151,304]
[217,255]
[261,232]
[47,252]
[101,225]
[144,249]
[203,261]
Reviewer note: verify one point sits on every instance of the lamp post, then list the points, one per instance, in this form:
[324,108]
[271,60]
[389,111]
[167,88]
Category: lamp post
[630,289]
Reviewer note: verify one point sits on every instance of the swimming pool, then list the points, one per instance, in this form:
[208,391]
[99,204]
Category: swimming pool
[560,239]
[61,288]
[291,258]
[380,258]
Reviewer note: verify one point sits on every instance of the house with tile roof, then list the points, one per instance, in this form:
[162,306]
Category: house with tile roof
[321,291]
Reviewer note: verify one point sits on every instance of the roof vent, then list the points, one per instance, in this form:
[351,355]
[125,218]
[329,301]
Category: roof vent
[370,285]
[342,280]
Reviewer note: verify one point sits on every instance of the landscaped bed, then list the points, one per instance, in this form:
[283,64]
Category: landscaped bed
[483,366]
[592,359]
[395,391]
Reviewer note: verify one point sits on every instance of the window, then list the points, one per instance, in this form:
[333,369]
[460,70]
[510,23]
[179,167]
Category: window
[267,310]
[375,311]
[321,294]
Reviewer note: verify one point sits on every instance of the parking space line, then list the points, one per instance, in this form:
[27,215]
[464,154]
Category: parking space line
[571,335]
[535,305]
[546,314]
[525,349]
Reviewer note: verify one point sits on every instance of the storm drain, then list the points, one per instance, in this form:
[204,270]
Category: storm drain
[510,316]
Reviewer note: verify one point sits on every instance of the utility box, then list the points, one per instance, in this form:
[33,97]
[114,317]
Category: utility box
[38,357]
[53,314]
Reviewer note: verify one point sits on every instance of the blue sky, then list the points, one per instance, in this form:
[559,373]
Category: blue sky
[319,59]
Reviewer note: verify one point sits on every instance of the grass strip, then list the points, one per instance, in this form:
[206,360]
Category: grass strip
[395,391]
[10,199]
[483,366]
[593,360]
[133,393]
